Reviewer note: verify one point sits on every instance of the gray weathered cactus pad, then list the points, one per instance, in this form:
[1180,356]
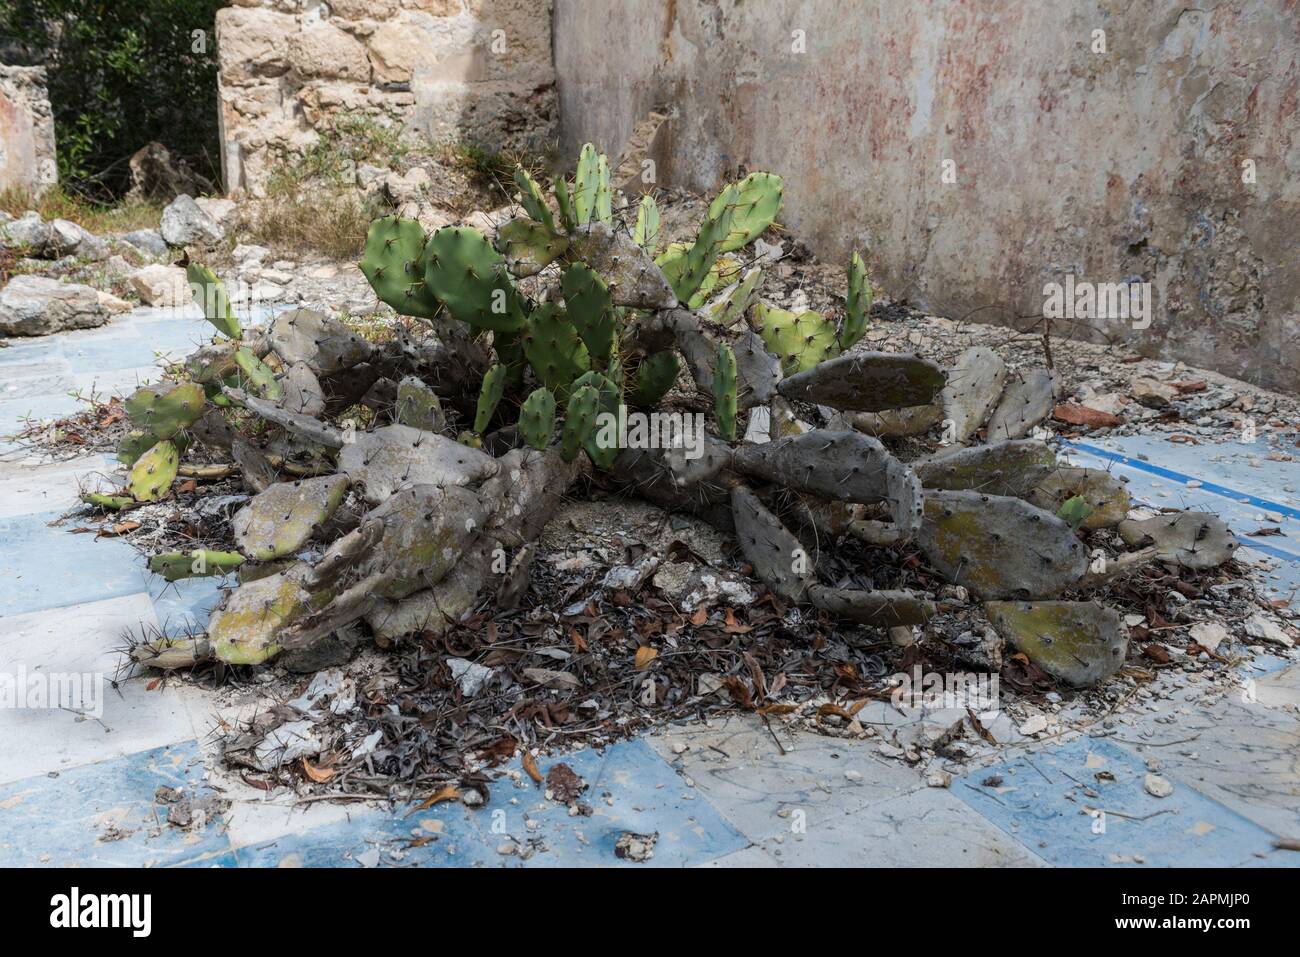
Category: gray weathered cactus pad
[633,278]
[243,629]
[1192,539]
[1081,642]
[867,382]
[775,553]
[418,406]
[302,390]
[282,519]
[884,609]
[1000,547]
[431,611]
[1027,400]
[396,455]
[1012,468]
[848,466]
[322,342]
[974,385]
[1104,493]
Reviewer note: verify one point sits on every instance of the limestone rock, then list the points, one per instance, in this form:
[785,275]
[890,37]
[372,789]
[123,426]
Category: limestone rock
[161,285]
[38,305]
[185,223]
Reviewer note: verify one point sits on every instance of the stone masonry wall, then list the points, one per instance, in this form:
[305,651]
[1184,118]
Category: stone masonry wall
[979,149]
[478,70]
[27,158]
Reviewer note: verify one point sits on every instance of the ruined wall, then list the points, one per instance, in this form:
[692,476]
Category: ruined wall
[27,158]
[1113,165]
[447,69]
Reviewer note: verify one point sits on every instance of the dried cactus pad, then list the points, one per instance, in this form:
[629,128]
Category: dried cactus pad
[163,410]
[426,530]
[884,609]
[1027,400]
[386,459]
[867,382]
[777,556]
[243,628]
[319,340]
[1012,468]
[632,276]
[153,473]
[1000,547]
[974,385]
[1191,539]
[1103,493]
[280,520]
[848,466]
[1081,642]
[418,406]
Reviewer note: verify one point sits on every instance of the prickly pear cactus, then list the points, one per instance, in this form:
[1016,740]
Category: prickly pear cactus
[801,341]
[537,418]
[579,421]
[153,472]
[211,297]
[867,382]
[202,562]
[161,411]
[724,392]
[1081,642]
[282,519]
[489,397]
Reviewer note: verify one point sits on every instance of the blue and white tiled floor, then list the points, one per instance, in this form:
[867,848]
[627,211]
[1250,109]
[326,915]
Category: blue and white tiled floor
[81,790]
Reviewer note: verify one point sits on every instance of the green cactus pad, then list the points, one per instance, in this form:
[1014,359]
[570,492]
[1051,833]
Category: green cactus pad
[469,277]
[529,247]
[530,197]
[1074,510]
[112,503]
[699,259]
[281,520]
[579,421]
[210,296]
[602,212]
[564,202]
[200,563]
[586,184]
[489,396]
[133,445]
[554,349]
[724,392]
[162,411]
[260,380]
[646,233]
[537,418]
[590,309]
[393,263]
[153,472]
[755,201]
[654,377]
[602,445]
[801,341]
[857,305]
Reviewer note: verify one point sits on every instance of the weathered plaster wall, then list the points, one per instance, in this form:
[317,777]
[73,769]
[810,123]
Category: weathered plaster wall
[1116,165]
[449,69]
[27,158]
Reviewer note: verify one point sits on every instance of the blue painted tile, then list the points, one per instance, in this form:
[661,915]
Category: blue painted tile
[630,788]
[44,566]
[1041,802]
[68,820]
[22,351]
[182,607]
[457,841]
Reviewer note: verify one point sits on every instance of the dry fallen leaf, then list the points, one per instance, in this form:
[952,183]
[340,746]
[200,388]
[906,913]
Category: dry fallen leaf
[530,765]
[318,774]
[644,655]
[701,616]
[448,792]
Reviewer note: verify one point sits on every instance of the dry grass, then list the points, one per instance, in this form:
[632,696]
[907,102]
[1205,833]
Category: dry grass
[333,223]
[57,204]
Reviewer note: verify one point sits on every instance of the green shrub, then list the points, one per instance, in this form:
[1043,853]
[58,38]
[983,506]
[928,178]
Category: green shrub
[121,74]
